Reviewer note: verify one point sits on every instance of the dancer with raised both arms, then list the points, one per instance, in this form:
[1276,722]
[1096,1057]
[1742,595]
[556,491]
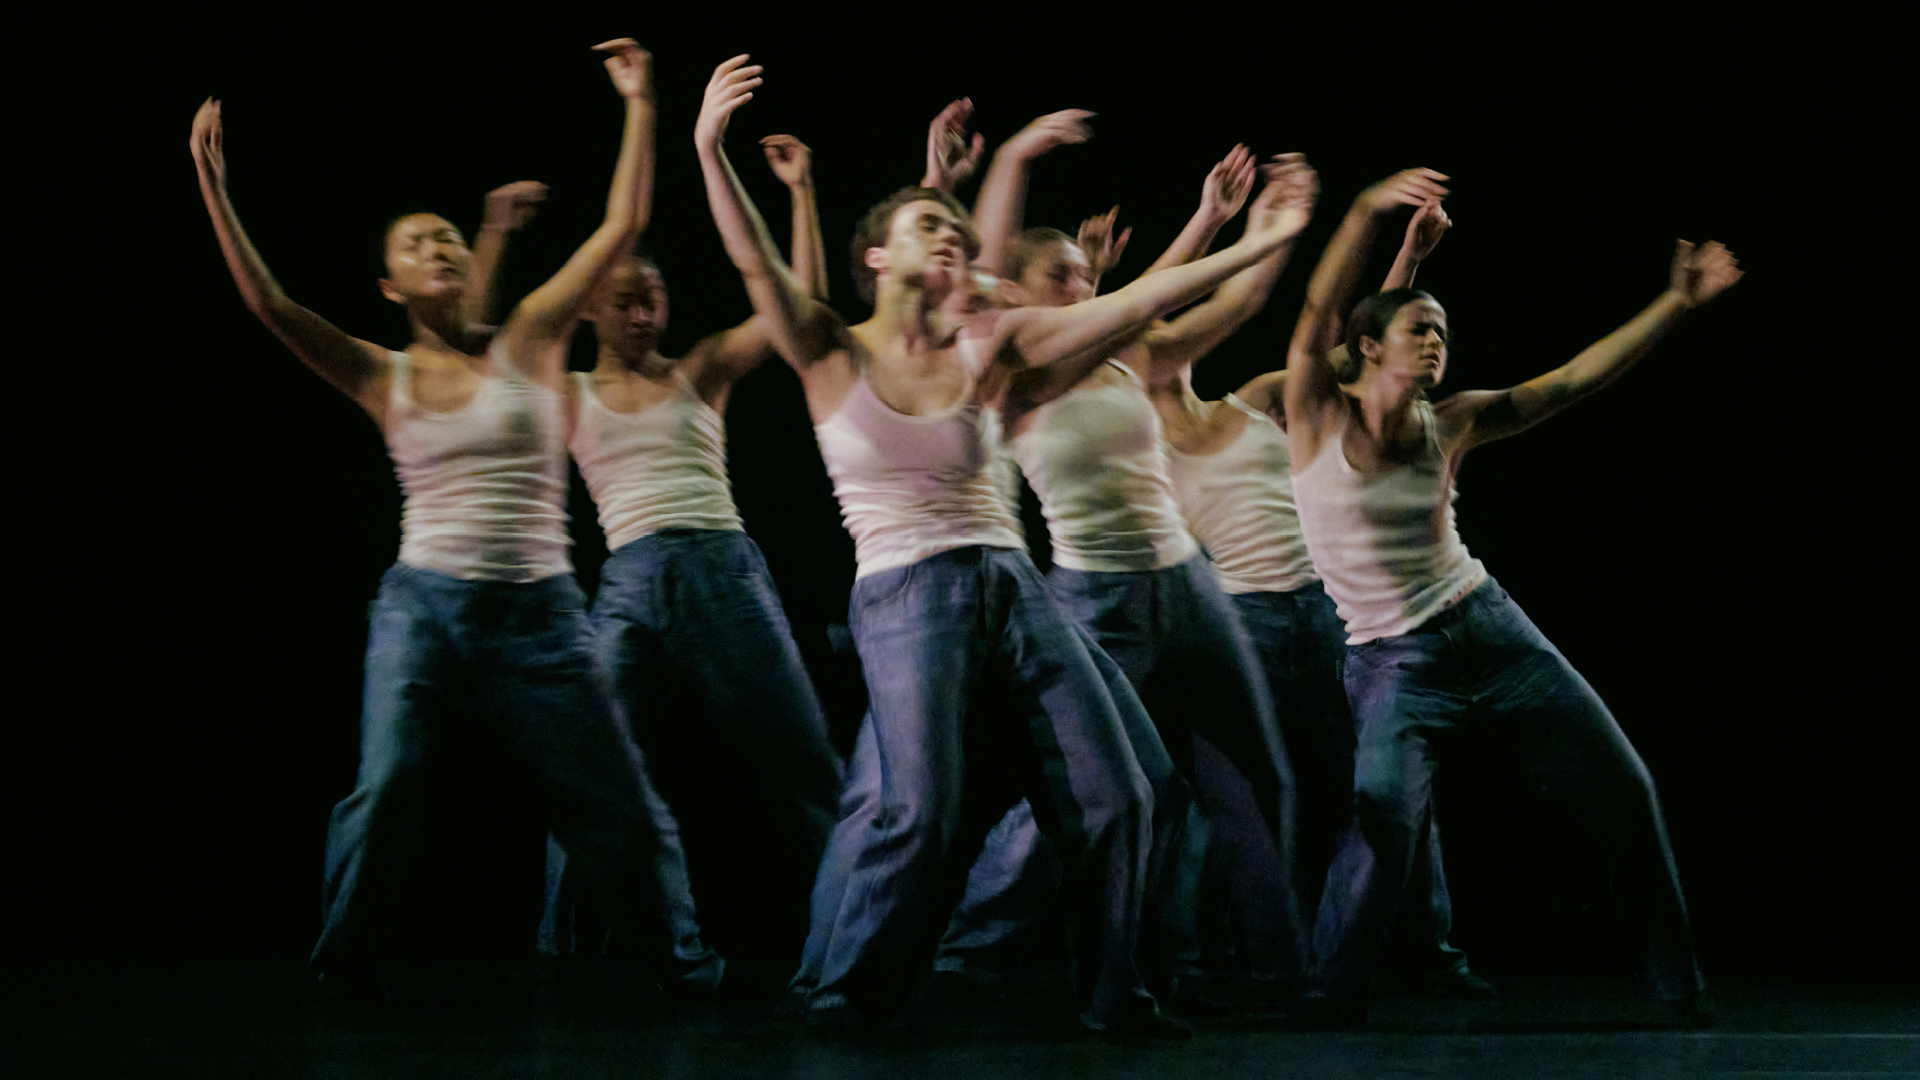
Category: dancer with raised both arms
[948,611]
[479,625]
[1434,644]
[687,622]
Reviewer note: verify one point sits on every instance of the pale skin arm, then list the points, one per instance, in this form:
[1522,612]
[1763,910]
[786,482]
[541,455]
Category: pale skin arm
[1035,337]
[1101,246]
[1201,330]
[1312,393]
[1003,194]
[1424,230]
[799,327]
[1222,195]
[792,162]
[951,159]
[536,333]
[1698,275]
[508,210]
[357,368]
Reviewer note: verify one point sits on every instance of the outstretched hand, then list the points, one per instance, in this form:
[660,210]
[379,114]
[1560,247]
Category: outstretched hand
[1429,224]
[630,66]
[1703,272]
[790,159]
[511,206]
[950,157]
[208,144]
[1409,187]
[731,87]
[1285,205]
[1062,128]
[1228,185]
[1102,247]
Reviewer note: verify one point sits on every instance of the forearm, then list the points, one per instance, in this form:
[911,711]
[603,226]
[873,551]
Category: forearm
[481,303]
[1405,265]
[630,200]
[258,289]
[809,250]
[1192,243]
[1333,281]
[770,285]
[1202,329]
[1614,355]
[999,211]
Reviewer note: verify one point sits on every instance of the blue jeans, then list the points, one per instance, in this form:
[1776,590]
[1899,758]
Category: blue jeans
[981,692]
[1301,644]
[447,659]
[1481,669]
[1178,642]
[690,633]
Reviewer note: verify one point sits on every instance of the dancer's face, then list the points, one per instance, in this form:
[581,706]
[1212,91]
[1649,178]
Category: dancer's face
[925,241]
[427,259]
[1058,275]
[630,310]
[1416,344]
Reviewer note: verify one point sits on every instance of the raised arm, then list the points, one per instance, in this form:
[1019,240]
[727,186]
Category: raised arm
[357,368]
[792,320]
[1424,230]
[536,333]
[1698,275]
[1201,329]
[507,211]
[1101,246]
[1003,194]
[1034,336]
[1311,388]
[951,159]
[1221,196]
[792,162]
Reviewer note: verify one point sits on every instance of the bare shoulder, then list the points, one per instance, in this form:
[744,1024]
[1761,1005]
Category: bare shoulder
[1264,392]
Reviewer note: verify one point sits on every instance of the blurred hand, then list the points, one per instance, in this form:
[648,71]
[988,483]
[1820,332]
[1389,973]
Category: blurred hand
[208,145]
[511,206]
[950,157]
[630,66]
[1429,224]
[1704,272]
[1054,129]
[1410,187]
[1097,240]
[1228,185]
[731,87]
[790,159]
[1286,204]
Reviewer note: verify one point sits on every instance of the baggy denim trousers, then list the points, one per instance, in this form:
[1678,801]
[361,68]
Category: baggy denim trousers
[1482,669]
[447,656]
[692,638]
[1179,643]
[1301,644]
[981,691]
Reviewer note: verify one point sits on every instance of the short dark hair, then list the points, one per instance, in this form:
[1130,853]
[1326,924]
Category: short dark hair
[386,231]
[1030,244]
[872,232]
[1370,318]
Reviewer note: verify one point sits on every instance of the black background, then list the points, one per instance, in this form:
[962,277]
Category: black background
[188,651]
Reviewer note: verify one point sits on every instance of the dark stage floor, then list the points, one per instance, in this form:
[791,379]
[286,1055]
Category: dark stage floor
[252,1026]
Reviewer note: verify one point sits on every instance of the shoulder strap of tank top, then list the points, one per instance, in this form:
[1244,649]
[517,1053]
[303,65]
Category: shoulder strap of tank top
[1252,413]
[399,383]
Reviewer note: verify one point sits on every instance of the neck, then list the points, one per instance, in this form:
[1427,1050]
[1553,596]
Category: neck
[1385,402]
[904,313]
[440,326]
[650,366]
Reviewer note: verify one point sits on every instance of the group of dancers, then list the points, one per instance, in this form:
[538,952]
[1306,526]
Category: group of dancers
[1206,736]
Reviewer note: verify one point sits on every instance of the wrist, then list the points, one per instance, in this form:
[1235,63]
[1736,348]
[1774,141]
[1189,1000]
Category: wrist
[1674,298]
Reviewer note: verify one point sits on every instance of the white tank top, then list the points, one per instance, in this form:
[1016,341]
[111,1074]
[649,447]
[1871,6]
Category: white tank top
[485,486]
[1097,458]
[1385,545]
[1239,504]
[914,486]
[664,467]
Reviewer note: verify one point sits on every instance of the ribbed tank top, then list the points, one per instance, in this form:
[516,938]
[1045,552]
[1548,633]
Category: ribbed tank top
[1097,458]
[911,487]
[1385,545]
[1239,504]
[664,467]
[485,486]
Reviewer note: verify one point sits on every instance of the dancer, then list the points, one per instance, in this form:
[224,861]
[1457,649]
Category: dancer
[687,622]
[479,627]
[1435,644]
[1229,465]
[1127,570]
[968,662]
